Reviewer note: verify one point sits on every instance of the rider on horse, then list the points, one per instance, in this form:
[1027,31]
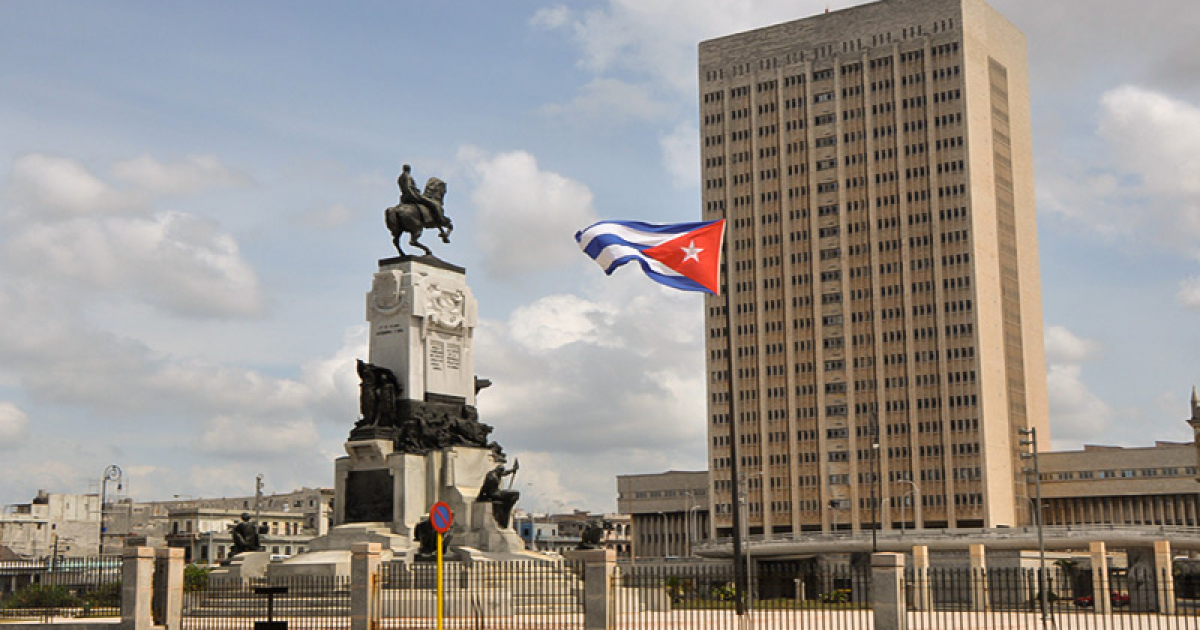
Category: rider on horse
[409,193]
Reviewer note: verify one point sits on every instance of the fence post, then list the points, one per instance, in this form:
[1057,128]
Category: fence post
[887,591]
[598,568]
[169,586]
[1101,598]
[364,576]
[137,592]
[922,595]
[1163,567]
[979,578]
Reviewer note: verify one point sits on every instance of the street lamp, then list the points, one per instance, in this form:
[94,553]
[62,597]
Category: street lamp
[917,524]
[111,473]
[874,494]
[1031,441]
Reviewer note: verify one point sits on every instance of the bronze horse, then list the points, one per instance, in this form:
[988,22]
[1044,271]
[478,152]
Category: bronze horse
[413,218]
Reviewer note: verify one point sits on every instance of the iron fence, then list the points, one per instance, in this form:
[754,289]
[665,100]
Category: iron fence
[304,602]
[493,595]
[60,588]
[1010,598]
[781,595]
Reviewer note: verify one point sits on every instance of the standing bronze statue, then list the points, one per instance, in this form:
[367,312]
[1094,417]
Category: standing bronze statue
[418,210]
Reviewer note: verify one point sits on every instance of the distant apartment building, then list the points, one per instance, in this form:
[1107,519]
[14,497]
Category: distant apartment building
[562,532]
[668,512]
[66,523]
[875,169]
[205,533]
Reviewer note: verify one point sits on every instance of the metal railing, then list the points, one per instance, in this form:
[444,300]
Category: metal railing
[1009,598]
[305,602]
[60,588]
[511,594]
[783,596]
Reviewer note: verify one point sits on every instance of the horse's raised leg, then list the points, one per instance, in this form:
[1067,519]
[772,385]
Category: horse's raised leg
[415,243]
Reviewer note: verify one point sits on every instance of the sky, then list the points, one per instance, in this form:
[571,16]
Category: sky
[191,209]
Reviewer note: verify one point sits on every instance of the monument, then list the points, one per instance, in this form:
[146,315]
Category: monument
[418,438]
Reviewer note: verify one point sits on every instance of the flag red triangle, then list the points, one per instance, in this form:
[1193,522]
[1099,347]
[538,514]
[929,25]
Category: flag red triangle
[695,254]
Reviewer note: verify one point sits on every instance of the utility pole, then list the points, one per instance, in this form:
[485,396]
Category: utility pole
[258,493]
[1036,471]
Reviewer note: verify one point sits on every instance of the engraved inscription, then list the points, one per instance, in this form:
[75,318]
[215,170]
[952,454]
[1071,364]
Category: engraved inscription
[437,355]
[453,356]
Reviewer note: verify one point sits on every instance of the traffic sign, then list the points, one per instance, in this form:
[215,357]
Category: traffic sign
[441,517]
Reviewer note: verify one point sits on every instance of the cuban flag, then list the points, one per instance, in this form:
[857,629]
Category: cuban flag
[685,256]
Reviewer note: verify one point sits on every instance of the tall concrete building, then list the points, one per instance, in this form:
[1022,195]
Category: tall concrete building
[875,167]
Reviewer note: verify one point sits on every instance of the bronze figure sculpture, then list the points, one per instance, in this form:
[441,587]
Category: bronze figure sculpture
[418,210]
[502,500]
[245,536]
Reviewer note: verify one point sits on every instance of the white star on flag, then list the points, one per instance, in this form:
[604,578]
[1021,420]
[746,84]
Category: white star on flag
[691,252]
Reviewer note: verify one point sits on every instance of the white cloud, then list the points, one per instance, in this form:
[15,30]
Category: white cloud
[192,174]
[1062,346]
[551,17]
[657,39]
[1077,415]
[178,262]
[69,229]
[46,186]
[14,426]
[1155,141]
[557,320]
[611,100]
[526,217]
[234,436]
[681,155]
[600,384]
[1189,293]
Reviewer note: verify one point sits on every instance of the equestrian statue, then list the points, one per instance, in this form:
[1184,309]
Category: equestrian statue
[417,211]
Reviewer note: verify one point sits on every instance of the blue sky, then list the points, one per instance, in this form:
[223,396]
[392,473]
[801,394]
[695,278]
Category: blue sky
[191,209]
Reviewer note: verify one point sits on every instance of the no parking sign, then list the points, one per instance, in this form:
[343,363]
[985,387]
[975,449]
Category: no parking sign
[441,517]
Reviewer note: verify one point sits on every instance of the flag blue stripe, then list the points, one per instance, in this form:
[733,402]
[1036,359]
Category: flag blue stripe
[612,244]
[601,241]
[676,282]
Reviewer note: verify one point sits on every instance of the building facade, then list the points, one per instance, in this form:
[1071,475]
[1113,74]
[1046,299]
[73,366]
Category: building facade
[1124,487]
[668,512]
[881,323]
[68,524]
[206,534]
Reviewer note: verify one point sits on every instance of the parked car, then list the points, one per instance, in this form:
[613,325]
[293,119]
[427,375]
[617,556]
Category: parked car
[1116,599]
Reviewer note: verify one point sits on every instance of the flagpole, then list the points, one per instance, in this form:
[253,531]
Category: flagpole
[739,575]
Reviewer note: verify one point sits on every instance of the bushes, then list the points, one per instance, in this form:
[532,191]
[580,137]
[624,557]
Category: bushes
[106,595]
[195,578]
[42,596]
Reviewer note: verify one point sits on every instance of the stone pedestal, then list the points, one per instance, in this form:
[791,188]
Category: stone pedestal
[423,317]
[242,568]
[419,440]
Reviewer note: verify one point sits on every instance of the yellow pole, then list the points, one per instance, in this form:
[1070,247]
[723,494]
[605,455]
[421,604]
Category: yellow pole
[439,582]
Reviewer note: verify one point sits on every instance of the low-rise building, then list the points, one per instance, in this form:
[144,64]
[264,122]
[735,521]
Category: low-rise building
[66,524]
[669,512]
[205,533]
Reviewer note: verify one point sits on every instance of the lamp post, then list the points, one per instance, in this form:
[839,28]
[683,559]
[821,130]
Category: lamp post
[111,473]
[874,493]
[1031,441]
[916,503]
